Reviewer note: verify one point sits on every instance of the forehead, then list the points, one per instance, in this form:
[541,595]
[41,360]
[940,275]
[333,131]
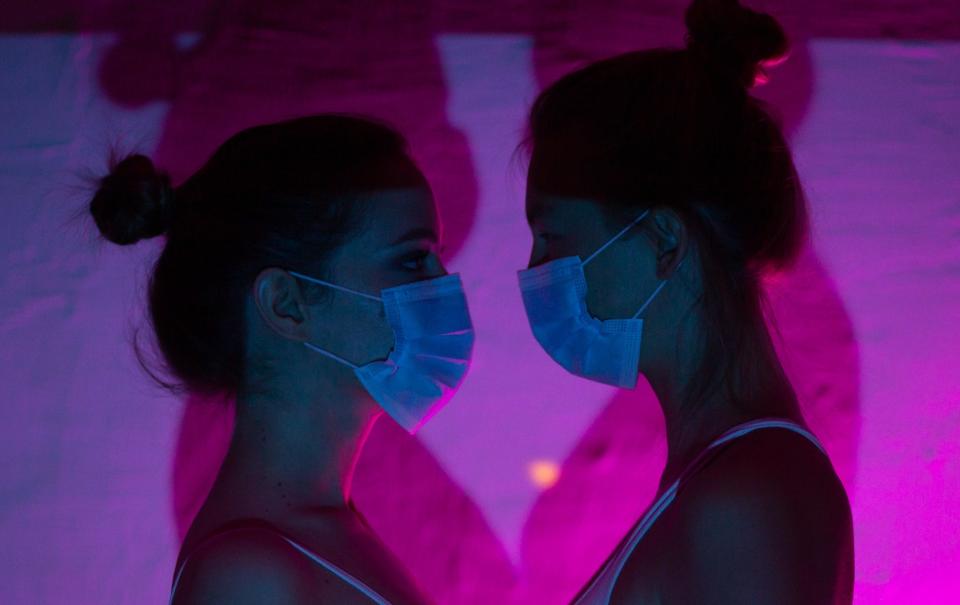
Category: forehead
[553,208]
[562,168]
[393,212]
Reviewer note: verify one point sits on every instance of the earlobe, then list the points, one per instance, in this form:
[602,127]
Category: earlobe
[671,243]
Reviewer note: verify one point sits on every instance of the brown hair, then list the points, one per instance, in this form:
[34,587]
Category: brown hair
[678,128]
[274,195]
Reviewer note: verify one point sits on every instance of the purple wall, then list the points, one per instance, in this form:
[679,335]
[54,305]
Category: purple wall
[518,490]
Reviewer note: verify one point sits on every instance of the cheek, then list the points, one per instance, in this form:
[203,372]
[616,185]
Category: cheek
[368,333]
[604,285]
[617,286]
[380,337]
[356,330]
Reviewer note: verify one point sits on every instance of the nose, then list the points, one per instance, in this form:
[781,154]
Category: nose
[440,270]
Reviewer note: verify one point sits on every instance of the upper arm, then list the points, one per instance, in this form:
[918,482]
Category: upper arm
[244,567]
[768,525]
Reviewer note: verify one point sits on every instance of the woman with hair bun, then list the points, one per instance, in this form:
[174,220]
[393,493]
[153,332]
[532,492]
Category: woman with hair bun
[299,276]
[659,194]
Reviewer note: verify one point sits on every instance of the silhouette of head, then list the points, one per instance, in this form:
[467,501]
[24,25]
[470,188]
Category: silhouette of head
[332,196]
[678,132]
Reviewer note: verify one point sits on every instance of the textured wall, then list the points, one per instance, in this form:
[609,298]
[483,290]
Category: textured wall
[518,490]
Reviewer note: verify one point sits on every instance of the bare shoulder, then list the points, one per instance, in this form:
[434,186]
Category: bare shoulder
[253,566]
[768,521]
[774,463]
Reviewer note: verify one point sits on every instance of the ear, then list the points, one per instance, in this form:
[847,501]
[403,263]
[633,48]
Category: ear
[281,304]
[671,240]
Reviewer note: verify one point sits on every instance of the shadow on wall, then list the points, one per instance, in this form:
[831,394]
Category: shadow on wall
[258,62]
[254,62]
[425,518]
[610,478]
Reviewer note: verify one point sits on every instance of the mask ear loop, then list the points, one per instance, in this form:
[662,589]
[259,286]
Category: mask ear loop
[332,356]
[313,347]
[663,284]
[334,286]
[617,236]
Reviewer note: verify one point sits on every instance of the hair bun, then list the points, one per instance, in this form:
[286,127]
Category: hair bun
[133,202]
[733,40]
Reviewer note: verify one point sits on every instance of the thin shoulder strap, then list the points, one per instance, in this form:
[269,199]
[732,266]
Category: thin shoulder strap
[612,569]
[259,524]
[736,432]
[747,427]
[342,574]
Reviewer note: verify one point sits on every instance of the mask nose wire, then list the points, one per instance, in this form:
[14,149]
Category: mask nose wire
[617,236]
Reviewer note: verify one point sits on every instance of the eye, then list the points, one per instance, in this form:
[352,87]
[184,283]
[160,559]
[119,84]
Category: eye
[416,260]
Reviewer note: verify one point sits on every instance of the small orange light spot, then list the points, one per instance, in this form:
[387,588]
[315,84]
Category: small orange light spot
[544,473]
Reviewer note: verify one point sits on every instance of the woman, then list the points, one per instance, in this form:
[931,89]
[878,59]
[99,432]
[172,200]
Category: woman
[300,276]
[659,194]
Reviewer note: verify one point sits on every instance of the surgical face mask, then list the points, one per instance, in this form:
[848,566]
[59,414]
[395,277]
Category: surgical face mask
[555,298]
[433,341]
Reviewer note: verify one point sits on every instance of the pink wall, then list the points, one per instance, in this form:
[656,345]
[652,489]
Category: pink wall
[517,490]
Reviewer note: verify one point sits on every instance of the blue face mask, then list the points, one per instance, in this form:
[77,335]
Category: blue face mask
[555,298]
[433,342]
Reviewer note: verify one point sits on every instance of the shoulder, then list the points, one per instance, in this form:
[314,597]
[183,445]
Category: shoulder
[768,521]
[256,565]
[249,565]
[772,463]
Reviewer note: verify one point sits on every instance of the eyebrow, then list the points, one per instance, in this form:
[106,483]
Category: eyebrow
[416,234]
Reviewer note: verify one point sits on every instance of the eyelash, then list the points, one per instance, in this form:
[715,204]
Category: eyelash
[415,258]
[419,257]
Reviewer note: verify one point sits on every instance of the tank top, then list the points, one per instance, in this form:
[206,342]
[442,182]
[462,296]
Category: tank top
[600,588]
[247,523]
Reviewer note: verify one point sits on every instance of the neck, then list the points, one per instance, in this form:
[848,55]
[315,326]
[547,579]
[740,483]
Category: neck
[294,454]
[691,428]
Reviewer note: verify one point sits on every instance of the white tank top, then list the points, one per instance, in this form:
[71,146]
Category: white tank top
[600,588]
[340,573]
